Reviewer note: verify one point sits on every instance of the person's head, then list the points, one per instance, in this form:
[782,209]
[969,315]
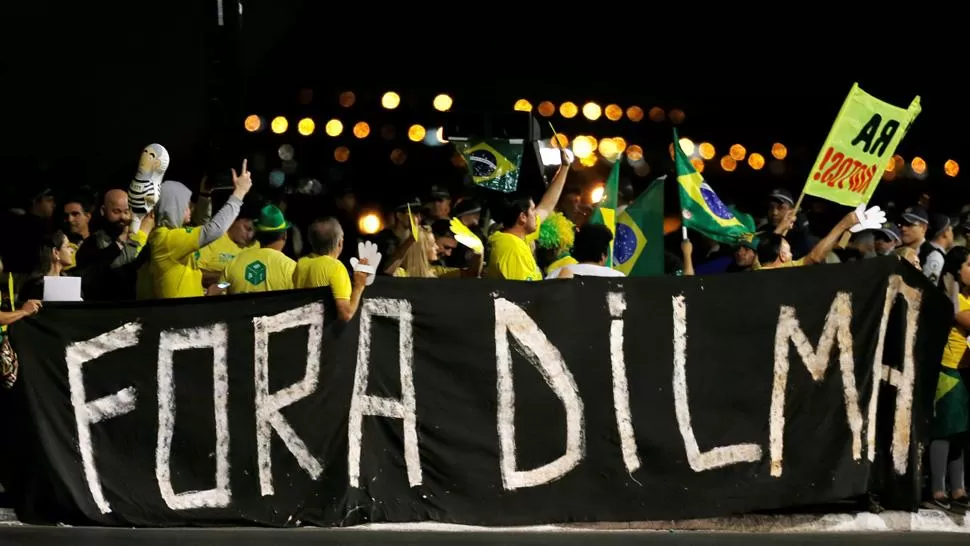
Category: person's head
[914,225]
[326,237]
[772,249]
[174,208]
[745,255]
[77,214]
[519,216]
[957,265]
[592,244]
[469,212]
[864,243]
[271,227]
[569,202]
[940,230]
[115,211]
[56,253]
[242,232]
[42,204]
[779,205]
[886,238]
[439,206]
[910,256]
[444,238]
[418,258]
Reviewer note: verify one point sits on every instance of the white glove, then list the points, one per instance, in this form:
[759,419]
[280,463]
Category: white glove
[367,250]
[873,218]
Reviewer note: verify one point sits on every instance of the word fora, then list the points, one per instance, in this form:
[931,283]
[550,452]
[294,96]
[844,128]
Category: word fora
[513,325]
[839,169]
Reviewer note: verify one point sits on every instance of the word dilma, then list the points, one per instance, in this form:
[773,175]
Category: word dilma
[511,321]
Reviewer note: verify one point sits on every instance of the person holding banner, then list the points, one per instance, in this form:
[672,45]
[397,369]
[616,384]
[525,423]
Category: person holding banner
[774,251]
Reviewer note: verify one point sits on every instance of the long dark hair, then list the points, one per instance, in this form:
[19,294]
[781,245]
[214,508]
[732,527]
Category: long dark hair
[45,260]
[955,258]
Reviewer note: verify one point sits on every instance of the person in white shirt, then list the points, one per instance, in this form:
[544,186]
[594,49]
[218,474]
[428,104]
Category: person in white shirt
[591,249]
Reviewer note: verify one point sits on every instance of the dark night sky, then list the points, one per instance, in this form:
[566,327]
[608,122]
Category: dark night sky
[86,87]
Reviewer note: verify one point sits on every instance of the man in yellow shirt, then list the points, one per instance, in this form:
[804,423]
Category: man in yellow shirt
[323,269]
[174,267]
[510,252]
[214,258]
[263,267]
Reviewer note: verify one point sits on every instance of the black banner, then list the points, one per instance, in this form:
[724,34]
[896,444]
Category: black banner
[488,403]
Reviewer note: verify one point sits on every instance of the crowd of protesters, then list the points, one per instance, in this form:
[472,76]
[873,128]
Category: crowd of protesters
[229,242]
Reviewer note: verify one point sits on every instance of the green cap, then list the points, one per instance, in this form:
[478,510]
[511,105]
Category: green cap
[271,219]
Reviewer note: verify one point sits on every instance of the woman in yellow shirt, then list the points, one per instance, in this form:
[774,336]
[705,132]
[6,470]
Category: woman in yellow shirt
[951,408]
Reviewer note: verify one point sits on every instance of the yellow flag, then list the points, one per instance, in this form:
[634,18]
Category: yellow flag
[414,226]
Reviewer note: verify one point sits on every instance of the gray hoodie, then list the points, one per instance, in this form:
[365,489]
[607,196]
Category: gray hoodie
[174,200]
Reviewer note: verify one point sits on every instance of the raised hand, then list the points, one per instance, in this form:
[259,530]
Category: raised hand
[873,218]
[242,181]
[369,259]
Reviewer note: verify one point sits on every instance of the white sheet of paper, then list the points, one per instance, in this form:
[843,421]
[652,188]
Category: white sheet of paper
[62,288]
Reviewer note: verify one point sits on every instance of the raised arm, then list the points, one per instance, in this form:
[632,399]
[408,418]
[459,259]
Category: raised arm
[551,198]
[218,224]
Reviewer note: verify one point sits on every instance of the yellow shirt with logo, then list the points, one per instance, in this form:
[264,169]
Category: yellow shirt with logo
[321,271]
[511,258]
[259,270]
[174,266]
[219,253]
[956,344]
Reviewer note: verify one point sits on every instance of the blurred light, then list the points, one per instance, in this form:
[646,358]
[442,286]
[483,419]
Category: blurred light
[347,99]
[285,152]
[900,162]
[889,176]
[279,125]
[737,152]
[276,178]
[698,164]
[728,163]
[306,126]
[613,112]
[620,144]
[779,151]
[918,165]
[756,161]
[369,223]
[416,133]
[433,137]
[440,133]
[707,151]
[597,194]
[890,166]
[442,103]
[687,145]
[560,139]
[592,111]
[398,156]
[634,152]
[672,224]
[951,167]
[608,148]
[253,123]
[522,105]
[635,113]
[388,132]
[334,127]
[361,129]
[657,114]
[677,116]
[582,147]
[642,168]
[306,96]
[390,100]
[568,110]
[547,108]
[341,154]
[589,160]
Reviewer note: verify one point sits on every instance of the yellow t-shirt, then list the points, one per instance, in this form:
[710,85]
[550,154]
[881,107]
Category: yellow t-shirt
[321,271]
[259,270]
[217,255]
[956,344]
[511,258]
[174,264]
[561,262]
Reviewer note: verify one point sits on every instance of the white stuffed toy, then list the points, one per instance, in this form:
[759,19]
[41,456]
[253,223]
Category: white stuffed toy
[144,188]
[873,218]
[367,250]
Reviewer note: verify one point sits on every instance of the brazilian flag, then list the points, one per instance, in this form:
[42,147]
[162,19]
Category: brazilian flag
[701,208]
[605,213]
[950,416]
[493,163]
[638,248]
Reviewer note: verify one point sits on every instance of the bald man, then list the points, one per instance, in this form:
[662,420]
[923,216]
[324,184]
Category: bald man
[108,260]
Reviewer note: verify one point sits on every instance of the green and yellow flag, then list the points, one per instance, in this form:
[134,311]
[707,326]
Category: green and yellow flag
[859,147]
[701,208]
[638,247]
[493,163]
[605,212]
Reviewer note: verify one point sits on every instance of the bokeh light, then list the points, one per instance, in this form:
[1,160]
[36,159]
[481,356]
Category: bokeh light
[589,160]
[707,151]
[687,145]
[597,194]
[522,105]
[582,147]
[698,164]
[779,151]
[560,139]
[918,165]
[756,161]
[634,113]
[568,110]
[334,127]
[253,123]
[398,157]
[370,223]
[390,100]
[440,134]
[361,129]
[607,148]
[306,126]
[341,154]
[642,169]
[620,144]
[634,152]
[657,114]
[728,163]
[951,167]
[347,99]
[547,108]
[442,103]
[279,125]
[677,116]
[737,152]
[416,133]
[592,111]
[899,161]
[613,112]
